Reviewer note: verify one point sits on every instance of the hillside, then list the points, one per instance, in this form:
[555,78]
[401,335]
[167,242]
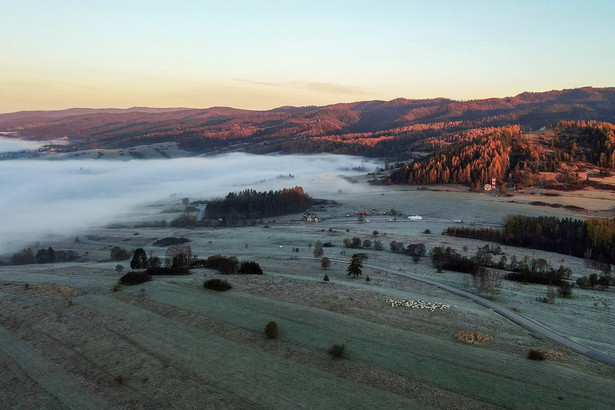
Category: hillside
[374,128]
[572,155]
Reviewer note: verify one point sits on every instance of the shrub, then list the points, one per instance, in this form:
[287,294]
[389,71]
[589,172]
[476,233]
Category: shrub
[472,338]
[183,221]
[325,263]
[170,240]
[353,243]
[271,330]
[46,255]
[416,249]
[217,284]
[250,268]
[564,289]
[23,257]
[154,262]
[226,265]
[537,354]
[427,231]
[337,351]
[119,254]
[134,278]
[167,271]
[543,354]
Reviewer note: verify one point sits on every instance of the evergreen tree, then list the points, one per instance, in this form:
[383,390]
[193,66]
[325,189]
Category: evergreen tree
[139,260]
[356,265]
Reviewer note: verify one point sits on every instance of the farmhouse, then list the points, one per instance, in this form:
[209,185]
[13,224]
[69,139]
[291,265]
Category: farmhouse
[311,217]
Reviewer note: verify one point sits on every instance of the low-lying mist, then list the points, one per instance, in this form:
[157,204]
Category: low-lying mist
[42,197]
[14,144]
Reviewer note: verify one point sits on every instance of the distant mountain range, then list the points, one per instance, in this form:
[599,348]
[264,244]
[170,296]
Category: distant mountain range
[377,128]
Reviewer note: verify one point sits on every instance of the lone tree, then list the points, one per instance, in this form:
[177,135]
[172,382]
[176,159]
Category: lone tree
[318,249]
[487,280]
[186,204]
[178,256]
[119,254]
[139,260]
[356,265]
[325,263]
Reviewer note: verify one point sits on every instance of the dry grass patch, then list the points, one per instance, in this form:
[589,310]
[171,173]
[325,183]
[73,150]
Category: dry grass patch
[66,291]
[543,354]
[472,338]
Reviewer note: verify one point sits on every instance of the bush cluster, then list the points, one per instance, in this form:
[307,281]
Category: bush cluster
[224,264]
[338,351]
[219,285]
[170,240]
[229,265]
[170,271]
[271,330]
[250,268]
[134,278]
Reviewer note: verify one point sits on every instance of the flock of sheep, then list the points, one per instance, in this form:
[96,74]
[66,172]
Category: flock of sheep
[417,304]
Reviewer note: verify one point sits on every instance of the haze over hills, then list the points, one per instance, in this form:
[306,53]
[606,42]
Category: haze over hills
[373,128]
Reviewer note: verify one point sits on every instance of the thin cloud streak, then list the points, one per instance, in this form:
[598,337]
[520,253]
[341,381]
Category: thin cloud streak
[315,86]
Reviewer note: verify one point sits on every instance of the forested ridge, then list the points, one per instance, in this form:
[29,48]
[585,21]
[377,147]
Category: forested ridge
[393,129]
[518,159]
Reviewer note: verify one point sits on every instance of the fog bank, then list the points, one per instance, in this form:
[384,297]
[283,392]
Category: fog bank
[60,197]
[14,144]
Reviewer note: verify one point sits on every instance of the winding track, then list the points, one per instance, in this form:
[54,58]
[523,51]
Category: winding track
[507,313]
[514,317]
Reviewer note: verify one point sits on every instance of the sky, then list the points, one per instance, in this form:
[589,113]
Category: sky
[264,54]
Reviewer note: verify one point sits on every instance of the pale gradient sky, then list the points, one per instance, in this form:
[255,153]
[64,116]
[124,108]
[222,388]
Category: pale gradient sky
[263,54]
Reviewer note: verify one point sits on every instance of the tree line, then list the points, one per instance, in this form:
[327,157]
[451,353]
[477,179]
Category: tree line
[45,255]
[250,204]
[534,270]
[593,238]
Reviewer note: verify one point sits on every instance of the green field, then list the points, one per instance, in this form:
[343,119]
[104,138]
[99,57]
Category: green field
[67,336]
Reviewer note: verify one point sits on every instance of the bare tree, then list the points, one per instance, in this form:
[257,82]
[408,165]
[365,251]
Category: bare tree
[488,281]
[178,256]
[318,251]
[186,204]
[325,263]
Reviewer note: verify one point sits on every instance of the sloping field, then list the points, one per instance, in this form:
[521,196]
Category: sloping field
[51,388]
[443,363]
[178,345]
[67,340]
[239,370]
